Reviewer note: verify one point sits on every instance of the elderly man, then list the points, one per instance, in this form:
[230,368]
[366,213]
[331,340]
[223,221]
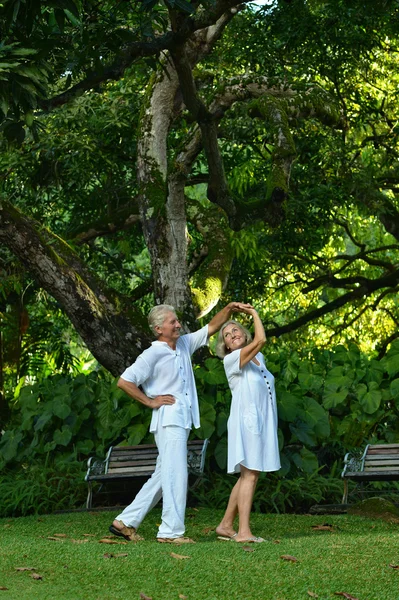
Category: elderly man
[165,374]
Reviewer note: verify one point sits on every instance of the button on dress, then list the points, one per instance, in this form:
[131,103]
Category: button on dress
[252,425]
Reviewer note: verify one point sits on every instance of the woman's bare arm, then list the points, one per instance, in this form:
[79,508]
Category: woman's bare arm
[259,340]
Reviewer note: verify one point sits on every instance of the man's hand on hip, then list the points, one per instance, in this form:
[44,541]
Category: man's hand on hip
[159,401]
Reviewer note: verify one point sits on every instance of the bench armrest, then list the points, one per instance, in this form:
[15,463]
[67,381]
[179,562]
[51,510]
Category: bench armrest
[196,462]
[95,466]
[354,462]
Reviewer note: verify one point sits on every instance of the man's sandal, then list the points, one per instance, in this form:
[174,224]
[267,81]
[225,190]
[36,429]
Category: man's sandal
[128,533]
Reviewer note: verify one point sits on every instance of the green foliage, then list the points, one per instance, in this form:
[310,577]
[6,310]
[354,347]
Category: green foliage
[39,489]
[70,418]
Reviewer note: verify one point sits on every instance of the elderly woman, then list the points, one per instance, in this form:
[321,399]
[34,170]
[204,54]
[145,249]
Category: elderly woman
[252,425]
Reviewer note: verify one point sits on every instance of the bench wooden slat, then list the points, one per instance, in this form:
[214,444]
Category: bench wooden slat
[131,464]
[376,464]
[117,476]
[137,470]
[383,457]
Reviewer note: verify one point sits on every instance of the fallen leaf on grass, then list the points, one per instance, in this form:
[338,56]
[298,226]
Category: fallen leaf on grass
[79,541]
[276,542]
[248,549]
[325,527]
[183,597]
[394,566]
[312,594]
[179,556]
[208,530]
[110,555]
[36,576]
[346,595]
[60,535]
[89,535]
[25,568]
[3,589]
[289,558]
[55,539]
[144,597]
[107,541]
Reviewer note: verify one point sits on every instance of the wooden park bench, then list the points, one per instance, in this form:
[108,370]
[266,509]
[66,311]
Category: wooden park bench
[128,463]
[378,463]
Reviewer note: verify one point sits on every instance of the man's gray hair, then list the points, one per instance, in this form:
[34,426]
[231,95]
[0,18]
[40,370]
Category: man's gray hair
[221,348]
[156,316]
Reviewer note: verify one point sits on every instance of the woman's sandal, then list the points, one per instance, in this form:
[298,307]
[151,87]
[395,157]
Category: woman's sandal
[227,538]
[251,540]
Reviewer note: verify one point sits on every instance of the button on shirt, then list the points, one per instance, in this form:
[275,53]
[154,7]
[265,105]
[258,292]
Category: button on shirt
[160,370]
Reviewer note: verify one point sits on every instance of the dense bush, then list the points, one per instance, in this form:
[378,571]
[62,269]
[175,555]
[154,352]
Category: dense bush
[41,489]
[329,402]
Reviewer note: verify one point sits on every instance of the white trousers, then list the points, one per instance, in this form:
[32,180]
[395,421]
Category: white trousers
[169,481]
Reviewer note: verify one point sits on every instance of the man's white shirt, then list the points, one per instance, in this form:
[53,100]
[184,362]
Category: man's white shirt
[160,370]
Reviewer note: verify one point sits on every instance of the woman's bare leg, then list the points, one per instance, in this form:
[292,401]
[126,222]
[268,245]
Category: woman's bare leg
[245,495]
[225,526]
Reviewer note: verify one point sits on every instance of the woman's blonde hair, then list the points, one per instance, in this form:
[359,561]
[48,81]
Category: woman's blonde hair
[221,349]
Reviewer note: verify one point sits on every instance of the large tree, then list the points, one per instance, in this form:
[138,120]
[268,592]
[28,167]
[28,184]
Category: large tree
[219,100]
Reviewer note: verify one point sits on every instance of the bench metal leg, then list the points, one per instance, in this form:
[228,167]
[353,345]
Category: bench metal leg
[89,495]
[345,496]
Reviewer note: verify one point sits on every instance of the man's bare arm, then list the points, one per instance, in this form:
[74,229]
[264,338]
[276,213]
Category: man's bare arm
[135,392]
[224,315]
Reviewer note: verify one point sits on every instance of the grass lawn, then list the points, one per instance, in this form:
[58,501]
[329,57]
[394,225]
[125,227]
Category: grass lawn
[352,557]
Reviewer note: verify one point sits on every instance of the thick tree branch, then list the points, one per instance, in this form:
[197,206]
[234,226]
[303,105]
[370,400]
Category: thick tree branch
[119,221]
[368,287]
[111,337]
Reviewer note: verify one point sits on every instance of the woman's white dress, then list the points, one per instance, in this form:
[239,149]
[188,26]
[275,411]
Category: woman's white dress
[252,424]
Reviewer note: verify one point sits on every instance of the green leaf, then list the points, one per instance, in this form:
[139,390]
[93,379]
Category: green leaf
[10,441]
[310,382]
[391,363]
[371,401]
[61,410]
[280,436]
[394,388]
[316,416]
[288,405]
[63,437]
[221,423]
[215,373]
[208,419]
[304,433]
[333,399]
[42,421]
[84,446]
[306,461]
[136,433]
[290,371]
[221,453]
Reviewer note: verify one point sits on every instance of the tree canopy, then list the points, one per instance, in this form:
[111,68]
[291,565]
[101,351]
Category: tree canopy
[189,153]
